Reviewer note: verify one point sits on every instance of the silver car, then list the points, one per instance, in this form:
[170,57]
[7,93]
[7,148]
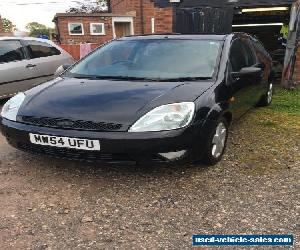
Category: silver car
[26,62]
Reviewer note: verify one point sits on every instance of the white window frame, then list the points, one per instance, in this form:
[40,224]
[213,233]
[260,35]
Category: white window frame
[97,34]
[69,28]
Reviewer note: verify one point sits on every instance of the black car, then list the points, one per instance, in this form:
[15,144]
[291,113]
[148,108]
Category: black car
[163,98]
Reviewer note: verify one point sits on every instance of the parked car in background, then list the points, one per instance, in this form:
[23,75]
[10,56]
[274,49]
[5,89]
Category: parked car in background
[26,62]
[138,99]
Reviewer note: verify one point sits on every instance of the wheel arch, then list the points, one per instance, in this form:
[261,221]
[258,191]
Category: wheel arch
[228,117]
[220,110]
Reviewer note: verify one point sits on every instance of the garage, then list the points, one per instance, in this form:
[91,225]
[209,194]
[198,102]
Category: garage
[268,20]
[270,24]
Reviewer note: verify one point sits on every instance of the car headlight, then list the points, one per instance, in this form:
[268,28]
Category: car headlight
[166,117]
[11,107]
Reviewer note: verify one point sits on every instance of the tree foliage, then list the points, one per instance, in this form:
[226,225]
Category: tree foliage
[37,29]
[87,6]
[8,26]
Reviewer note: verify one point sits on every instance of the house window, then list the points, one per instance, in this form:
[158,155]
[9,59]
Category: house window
[97,29]
[76,29]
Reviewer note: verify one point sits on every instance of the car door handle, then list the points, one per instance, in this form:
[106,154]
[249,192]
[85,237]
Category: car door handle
[30,66]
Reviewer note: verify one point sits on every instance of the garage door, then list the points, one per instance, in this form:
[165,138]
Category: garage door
[204,20]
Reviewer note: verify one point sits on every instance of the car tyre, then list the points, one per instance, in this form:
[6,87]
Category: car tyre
[216,143]
[267,98]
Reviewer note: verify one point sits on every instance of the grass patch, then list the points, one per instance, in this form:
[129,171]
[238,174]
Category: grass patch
[287,101]
[267,123]
[267,138]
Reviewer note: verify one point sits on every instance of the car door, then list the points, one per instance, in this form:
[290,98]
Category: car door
[264,61]
[45,58]
[15,69]
[244,88]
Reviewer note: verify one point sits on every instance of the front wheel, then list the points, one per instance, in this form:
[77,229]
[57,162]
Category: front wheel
[216,143]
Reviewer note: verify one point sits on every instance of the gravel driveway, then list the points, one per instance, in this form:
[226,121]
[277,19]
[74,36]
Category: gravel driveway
[55,204]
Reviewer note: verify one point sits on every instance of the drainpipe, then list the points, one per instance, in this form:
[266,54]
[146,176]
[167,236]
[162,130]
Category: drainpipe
[142,16]
[175,4]
[109,6]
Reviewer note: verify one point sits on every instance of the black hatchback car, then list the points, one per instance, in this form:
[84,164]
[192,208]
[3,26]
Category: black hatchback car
[163,98]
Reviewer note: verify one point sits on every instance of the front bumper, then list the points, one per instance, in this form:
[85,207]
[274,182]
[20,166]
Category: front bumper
[115,146]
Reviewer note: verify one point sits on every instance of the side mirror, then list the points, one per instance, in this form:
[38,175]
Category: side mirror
[61,69]
[246,71]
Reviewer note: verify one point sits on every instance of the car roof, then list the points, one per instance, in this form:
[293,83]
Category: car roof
[175,36]
[24,38]
[30,39]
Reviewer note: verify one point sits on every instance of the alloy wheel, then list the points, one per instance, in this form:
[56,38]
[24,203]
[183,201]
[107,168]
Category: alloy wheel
[219,140]
[270,93]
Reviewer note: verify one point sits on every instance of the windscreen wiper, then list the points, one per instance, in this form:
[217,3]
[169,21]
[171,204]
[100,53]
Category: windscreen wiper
[188,79]
[126,78]
[133,78]
[95,77]
[78,76]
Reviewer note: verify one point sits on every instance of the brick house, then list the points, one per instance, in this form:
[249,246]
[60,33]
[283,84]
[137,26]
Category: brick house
[89,28]
[133,17]
[148,16]
[126,17]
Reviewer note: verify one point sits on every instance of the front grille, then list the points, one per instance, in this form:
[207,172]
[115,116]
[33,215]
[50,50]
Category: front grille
[89,156]
[71,124]
[78,155]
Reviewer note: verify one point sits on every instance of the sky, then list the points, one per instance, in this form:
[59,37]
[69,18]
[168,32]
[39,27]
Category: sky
[21,12]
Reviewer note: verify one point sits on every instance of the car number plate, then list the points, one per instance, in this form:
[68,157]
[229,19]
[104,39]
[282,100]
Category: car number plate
[65,142]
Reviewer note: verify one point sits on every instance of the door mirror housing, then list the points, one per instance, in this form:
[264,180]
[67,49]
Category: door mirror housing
[246,71]
[61,69]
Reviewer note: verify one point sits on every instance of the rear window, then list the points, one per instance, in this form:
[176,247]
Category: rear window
[40,49]
[259,47]
[10,51]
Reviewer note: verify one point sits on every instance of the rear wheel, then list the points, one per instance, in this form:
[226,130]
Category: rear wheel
[216,143]
[267,98]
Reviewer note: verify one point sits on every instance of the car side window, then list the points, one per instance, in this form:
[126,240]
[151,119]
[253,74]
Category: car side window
[260,49]
[11,51]
[251,57]
[40,49]
[241,55]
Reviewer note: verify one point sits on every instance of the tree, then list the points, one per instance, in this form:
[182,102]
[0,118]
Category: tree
[86,6]
[8,26]
[37,29]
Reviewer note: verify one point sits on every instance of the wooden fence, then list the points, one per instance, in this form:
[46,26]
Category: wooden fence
[79,50]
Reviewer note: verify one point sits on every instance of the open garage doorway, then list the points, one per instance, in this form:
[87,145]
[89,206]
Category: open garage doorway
[270,26]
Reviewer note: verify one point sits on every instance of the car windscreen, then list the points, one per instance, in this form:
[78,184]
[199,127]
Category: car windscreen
[151,59]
